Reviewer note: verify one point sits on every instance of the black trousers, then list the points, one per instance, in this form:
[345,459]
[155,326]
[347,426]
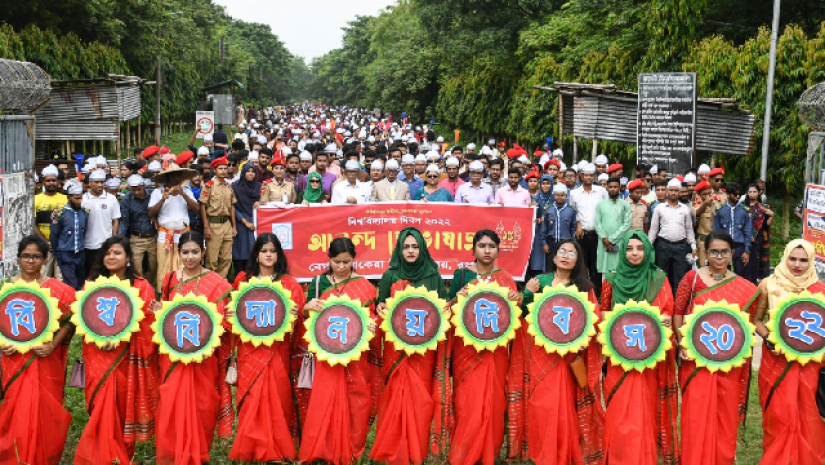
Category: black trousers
[590,245]
[91,258]
[738,250]
[672,259]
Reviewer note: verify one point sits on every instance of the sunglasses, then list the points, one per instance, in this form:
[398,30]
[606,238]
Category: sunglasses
[233,164]
[719,179]
[432,176]
[315,181]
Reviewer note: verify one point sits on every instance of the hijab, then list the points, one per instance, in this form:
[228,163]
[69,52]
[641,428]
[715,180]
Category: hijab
[636,282]
[314,194]
[422,272]
[246,192]
[544,198]
[783,281]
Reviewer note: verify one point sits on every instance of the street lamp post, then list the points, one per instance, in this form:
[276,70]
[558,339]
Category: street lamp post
[766,131]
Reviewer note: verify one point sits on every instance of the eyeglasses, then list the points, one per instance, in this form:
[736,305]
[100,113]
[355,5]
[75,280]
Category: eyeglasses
[233,164]
[432,176]
[566,253]
[31,258]
[315,181]
[720,253]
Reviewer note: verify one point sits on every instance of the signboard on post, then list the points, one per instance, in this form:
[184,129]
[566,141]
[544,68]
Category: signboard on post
[205,122]
[666,121]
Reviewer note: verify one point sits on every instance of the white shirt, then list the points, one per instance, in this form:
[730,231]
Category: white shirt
[585,204]
[103,211]
[344,190]
[174,214]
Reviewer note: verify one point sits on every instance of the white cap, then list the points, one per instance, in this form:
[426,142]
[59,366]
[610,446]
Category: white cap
[207,137]
[703,169]
[476,166]
[654,169]
[603,177]
[420,157]
[523,159]
[623,180]
[154,166]
[50,170]
[303,156]
[262,140]
[203,151]
[453,161]
[112,183]
[288,151]
[559,188]
[575,167]
[408,159]
[491,142]
[73,187]
[377,165]
[253,155]
[544,159]
[432,154]
[558,153]
[101,160]
[352,165]
[562,166]
[135,180]
[439,139]
[674,183]
[97,175]
[690,177]
[471,146]
[601,160]
[330,148]
[432,167]
[88,167]
[371,139]
[392,164]
[587,168]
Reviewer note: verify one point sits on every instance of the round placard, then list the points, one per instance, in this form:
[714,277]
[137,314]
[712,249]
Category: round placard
[338,333]
[107,310]
[561,319]
[633,336]
[797,327]
[261,311]
[188,329]
[486,319]
[718,336]
[415,321]
[30,315]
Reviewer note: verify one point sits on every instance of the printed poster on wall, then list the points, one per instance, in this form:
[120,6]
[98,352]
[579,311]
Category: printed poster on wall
[813,223]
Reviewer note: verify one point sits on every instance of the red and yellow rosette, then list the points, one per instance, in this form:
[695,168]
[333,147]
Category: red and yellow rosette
[339,332]
[261,311]
[797,327]
[633,336]
[415,322]
[486,319]
[188,328]
[718,336]
[107,311]
[29,315]
[561,319]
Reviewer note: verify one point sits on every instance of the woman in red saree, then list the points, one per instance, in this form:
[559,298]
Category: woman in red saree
[793,430]
[266,409]
[552,419]
[341,400]
[33,421]
[414,386]
[640,420]
[713,403]
[194,397]
[479,378]
[121,380]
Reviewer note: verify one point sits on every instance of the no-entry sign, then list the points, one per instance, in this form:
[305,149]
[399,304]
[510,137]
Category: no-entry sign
[205,122]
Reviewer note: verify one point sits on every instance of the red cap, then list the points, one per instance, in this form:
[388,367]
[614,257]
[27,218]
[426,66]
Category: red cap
[701,186]
[552,161]
[502,144]
[680,178]
[634,184]
[278,159]
[164,150]
[184,157]
[716,171]
[219,161]
[614,167]
[538,152]
[149,151]
[533,174]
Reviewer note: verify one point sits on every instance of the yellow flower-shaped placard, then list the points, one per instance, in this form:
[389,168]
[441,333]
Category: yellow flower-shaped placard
[718,336]
[561,319]
[415,322]
[261,311]
[29,315]
[338,333]
[633,336]
[797,327]
[188,329]
[486,319]
[107,310]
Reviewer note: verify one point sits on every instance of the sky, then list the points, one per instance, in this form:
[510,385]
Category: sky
[293,21]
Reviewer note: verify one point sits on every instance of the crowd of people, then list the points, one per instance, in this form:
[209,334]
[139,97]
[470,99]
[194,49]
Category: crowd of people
[184,223]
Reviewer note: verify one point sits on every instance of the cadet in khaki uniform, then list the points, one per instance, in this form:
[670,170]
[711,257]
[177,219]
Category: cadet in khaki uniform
[639,209]
[703,208]
[218,212]
[274,190]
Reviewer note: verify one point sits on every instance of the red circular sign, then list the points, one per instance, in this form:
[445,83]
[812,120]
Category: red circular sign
[253,318]
[24,316]
[205,125]
[635,335]
[187,328]
[107,311]
[800,324]
[729,336]
[415,321]
[338,329]
[473,315]
[559,313]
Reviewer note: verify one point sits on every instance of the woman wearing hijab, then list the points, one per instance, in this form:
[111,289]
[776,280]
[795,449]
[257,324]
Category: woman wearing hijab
[314,192]
[543,200]
[641,406]
[793,430]
[414,387]
[247,192]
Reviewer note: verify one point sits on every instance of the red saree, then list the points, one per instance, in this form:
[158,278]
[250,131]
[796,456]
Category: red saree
[33,421]
[479,393]
[121,393]
[640,420]
[793,430]
[551,420]
[715,403]
[266,408]
[414,390]
[341,399]
[194,397]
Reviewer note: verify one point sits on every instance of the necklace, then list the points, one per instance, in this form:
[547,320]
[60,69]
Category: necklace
[336,282]
[718,277]
[185,280]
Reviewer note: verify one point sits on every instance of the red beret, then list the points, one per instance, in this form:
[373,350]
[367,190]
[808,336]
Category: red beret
[184,157]
[502,144]
[164,150]
[149,151]
[634,184]
[716,171]
[533,174]
[552,161]
[701,186]
[278,159]
[219,161]
[614,167]
[538,152]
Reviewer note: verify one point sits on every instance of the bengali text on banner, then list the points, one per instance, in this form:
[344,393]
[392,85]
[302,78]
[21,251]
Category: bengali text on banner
[306,233]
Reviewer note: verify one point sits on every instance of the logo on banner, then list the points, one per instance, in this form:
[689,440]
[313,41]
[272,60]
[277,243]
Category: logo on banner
[30,315]
[338,333]
[797,327]
[283,231]
[561,319]
[107,310]
[486,319]
[415,322]
[718,336]
[188,329]
[261,311]
[633,336]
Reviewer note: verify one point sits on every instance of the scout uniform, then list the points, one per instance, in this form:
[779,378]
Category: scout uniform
[704,224]
[639,212]
[67,238]
[736,221]
[218,199]
[273,191]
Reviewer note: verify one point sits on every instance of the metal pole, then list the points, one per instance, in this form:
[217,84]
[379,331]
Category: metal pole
[157,104]
[766,131]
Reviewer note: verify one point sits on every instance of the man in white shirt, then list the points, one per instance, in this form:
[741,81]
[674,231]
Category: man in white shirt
[350,190]
[104,216]
[584,200]
[170,206]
